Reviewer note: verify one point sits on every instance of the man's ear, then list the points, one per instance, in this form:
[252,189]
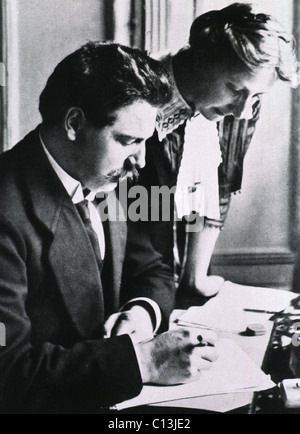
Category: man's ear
[74,119]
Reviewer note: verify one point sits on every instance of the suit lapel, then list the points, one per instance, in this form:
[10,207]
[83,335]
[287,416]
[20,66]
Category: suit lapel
[74,264]
[71,256]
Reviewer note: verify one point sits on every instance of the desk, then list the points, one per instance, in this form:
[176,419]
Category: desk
[255,347]
[232,301]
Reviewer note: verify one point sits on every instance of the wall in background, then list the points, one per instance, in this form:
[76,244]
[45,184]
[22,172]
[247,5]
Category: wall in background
[42,33]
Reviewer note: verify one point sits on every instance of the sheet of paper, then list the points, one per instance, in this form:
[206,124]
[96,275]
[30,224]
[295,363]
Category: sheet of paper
[214,403]
[233,372]
[226,312]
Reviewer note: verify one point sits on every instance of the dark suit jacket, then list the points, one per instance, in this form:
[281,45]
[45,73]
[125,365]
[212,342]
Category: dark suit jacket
[51,298]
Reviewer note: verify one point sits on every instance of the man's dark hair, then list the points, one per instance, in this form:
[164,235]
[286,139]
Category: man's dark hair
[252,39]
[100,78]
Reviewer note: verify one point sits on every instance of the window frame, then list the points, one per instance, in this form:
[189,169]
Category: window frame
[132,24]
[3,89]
[295,140]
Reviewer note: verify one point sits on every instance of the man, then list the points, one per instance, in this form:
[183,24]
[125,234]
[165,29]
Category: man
[64,275]
[235,55]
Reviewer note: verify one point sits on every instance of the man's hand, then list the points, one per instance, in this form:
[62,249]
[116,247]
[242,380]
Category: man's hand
[135,322]
[176,357]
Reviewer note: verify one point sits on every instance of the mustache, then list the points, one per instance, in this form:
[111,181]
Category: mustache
[129,171]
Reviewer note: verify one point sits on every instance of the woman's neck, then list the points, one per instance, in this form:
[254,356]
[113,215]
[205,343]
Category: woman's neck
[184,74]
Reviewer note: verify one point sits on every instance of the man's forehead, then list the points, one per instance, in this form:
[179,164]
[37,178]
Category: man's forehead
[133,132]
[131,119]
[139,110]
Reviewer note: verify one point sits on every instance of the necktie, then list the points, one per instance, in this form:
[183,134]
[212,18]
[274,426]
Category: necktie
[84,212]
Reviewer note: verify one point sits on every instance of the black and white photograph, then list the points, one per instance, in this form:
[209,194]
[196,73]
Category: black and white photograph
[149,209]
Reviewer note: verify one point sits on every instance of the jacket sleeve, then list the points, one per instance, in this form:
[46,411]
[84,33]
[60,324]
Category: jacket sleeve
[49,378]
[146,274]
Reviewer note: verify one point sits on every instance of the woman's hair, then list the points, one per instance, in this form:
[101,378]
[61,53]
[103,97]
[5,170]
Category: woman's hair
[101,78]
[237,34]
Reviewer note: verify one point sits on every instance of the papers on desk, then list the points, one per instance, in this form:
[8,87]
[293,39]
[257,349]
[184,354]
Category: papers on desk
[233,372]
[228,310]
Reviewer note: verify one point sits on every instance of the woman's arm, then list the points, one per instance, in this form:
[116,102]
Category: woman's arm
[235,137]
[199,252]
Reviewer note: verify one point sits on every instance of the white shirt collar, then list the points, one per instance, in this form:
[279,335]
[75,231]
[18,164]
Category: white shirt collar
[73,187]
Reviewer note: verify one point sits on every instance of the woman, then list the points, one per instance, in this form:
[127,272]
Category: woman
[234,57]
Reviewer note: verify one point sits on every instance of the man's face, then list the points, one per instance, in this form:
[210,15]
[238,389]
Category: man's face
[118,150]
[226,91]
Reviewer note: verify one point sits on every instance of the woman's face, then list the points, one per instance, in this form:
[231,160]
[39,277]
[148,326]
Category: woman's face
[220,90]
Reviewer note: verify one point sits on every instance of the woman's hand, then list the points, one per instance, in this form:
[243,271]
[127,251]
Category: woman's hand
[208,286]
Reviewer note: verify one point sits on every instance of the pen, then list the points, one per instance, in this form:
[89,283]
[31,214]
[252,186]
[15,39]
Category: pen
[203,343]
[261,311]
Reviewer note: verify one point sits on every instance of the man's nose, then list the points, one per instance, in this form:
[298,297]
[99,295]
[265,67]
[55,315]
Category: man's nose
[241,109]
[141,156]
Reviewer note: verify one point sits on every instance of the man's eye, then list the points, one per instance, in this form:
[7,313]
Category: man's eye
[134,142]
[124,143]
[234,89]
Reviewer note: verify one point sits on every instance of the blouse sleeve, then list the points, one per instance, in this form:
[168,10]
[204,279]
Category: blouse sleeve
[235,137]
